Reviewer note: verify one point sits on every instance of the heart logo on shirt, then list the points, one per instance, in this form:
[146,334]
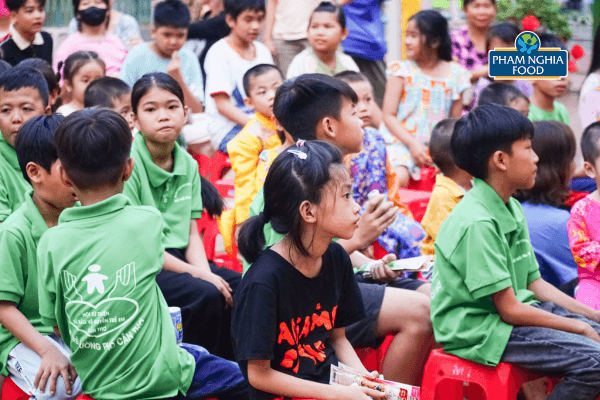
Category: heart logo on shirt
[103,318]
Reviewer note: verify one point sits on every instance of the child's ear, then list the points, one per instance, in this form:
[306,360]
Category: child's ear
[48,110]
[136,121]
[64,177]
[345,33]
[248,103]
[186,112]
[33,172]
[230,21]
[326,129]
[127,170]
[308,211]
[499,161]
[153,32]
[589,169]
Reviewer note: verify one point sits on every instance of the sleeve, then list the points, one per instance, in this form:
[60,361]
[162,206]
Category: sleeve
[399,68]
[589,105]
[586,251]
[194,76]
[216,67]
[349,63]
[46,285]
[439,207]
[254,323]
[12,280]
[482,259]
[564,117]
[72,26]
[5,209]
[197,206]
[295,69]
[127,73]
[244,152]
[350,308]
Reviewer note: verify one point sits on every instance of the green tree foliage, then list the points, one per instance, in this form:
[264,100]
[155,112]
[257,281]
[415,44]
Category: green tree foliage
[549,12]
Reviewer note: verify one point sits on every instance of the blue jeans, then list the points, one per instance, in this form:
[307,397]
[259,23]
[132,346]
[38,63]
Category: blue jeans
[230,135]
[215,377]
[553,352]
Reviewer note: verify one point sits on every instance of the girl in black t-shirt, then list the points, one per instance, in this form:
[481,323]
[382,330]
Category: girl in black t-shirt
[292,307]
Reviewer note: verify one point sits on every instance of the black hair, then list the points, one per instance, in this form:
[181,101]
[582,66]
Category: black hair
[212,201]
[505,31]
[500,93]
[329,7]
[590,141]
[15,5]
[351,76]
[467,2]
[51,77]
[93,146]
[482,132]
[104,91]
[434,27]
[300,104]
[256,71]
[22,77]
[291,180]
[35,142]
[172,14]
[595,62]
[76,61]
[439,145]
[554,144]
[4,66]
[76,11]
[549,40]
[234,8]
[154,80]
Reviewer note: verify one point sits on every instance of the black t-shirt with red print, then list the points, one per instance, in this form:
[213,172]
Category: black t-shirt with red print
[281,315]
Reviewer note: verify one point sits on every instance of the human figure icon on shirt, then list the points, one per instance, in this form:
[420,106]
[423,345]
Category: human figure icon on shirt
[95,281]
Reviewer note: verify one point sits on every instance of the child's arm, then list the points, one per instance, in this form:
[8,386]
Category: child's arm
[546,292]
[230,111]
[457,107]
[269,24]
[513,312]
[586,251]
[262,377]
[54,363]
[345,352]
[174,70]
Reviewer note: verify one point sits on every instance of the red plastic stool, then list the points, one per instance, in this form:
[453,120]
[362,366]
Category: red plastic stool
[85,397]
[416,200]
[445,376]
[427,181]
[220,165]
[372,359]
[10,391]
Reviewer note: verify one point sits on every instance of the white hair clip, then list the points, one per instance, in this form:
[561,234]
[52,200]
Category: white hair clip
[300,154]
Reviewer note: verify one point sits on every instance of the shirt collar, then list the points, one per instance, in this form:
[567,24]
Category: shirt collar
[157,175]
[266,121]
[31,212]
[9,153]
[20,41]
[449,184]
[507,215]
[112,204]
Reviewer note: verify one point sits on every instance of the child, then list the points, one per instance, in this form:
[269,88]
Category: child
[97,275]
[51,77]
[166,177]
[420,92]
[25,37]
[165,54]
[308,199]
[583,234]
[30,349]
[23,95]
[504,95]
[253,150]
[80,69]
[502,35]
[226,63]
[543,106]
[486,289]
[450,186]
[326,31]
[110,93]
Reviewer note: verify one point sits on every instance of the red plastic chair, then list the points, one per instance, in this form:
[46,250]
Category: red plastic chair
[10,391]
[416,200]
[372,359]
[447,377]
[220,165]
[427,181]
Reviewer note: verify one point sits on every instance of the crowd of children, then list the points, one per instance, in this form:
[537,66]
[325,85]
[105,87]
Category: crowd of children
[100,198]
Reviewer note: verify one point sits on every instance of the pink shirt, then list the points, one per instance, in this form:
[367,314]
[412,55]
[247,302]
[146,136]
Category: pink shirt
[110,49]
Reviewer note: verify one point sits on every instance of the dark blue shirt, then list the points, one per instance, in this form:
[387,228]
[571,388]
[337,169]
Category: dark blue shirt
[366,38]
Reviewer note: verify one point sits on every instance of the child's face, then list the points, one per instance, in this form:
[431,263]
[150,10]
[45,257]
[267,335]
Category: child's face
[50,188]
[169,40]
[247,25]
[497,43]
[30,18]
[414,41]
[521,105]
[325,33]
[86,75]
[552,88]
[480,13]
[262,91]
[346,132]
[122,105]
[365,106]
[16,108]
[522,165]
[160,116]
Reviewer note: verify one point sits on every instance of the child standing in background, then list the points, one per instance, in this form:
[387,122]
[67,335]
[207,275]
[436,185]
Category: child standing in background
[80,69]
[420,92]
[111,93]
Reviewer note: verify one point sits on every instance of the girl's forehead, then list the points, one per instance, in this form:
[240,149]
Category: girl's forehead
[323,16]
[159,95]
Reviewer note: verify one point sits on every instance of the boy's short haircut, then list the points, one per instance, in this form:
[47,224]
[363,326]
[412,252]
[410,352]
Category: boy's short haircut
[500,93]
[549,40]
[329,7]
[590,143]
[256,71]
[351,76]
[4,66]
[44,68]
[15,5]
[172,14]
[505,31]
[235,7]
[93,146]
[483,131]
[439,145]
[23,77]
[35,142]
[300,104]
[104,91]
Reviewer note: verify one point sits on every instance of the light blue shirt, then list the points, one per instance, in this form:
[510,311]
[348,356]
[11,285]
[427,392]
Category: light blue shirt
[142,60]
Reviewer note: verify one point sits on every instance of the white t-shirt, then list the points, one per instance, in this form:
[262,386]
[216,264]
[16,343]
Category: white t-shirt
[291,18]
[306,62]
[225,69]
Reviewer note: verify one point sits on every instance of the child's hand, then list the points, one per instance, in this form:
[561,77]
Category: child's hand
[54,364]
[589,332]
[356,392]
[376,218]
[419,153]
[381,273]
[221,284]
[174,67]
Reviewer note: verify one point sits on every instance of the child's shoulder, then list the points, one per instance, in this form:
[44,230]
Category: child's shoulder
[141,50]
[583,206]
[402,68]
[446,188]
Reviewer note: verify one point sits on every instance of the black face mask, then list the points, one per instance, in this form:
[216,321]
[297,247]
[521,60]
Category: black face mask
[93,16]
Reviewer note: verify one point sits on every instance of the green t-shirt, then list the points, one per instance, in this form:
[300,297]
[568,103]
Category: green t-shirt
[13,185]
[175,194]
[19,237]
[560,114]
[97,273]
[482,247]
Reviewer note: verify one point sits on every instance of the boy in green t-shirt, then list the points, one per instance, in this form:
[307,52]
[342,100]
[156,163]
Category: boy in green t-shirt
[488,302]
[30,352]
[97,274]
[23,95]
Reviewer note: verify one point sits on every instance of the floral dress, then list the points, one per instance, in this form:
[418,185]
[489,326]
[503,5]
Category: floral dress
[466,53]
